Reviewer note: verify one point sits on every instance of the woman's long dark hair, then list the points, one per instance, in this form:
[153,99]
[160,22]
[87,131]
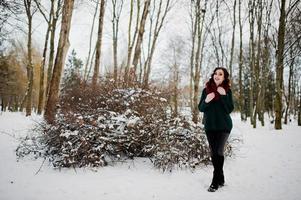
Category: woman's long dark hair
[211,86]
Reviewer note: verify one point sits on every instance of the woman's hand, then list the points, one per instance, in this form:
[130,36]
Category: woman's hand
[221,91]
[209,97]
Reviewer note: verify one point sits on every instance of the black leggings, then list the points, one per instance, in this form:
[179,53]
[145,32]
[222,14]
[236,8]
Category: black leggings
[217,141]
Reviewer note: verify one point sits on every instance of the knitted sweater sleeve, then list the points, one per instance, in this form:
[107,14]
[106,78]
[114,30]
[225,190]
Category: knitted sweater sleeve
[227,102]
[203,106]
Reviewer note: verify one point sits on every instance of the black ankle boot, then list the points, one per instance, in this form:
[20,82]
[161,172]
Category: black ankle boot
[221,181]
[213,187]
[215,180]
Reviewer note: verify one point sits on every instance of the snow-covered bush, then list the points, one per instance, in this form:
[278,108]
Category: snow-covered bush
[95,126]
[181,143]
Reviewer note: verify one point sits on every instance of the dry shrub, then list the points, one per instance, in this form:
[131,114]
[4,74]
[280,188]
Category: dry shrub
[97,125]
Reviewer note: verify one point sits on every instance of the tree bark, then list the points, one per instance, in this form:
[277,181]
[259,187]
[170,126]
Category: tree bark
[62,49]
[54,20]
[241,97]
[288,100]
[233,39]
[98,43]
[156,32]
[117,9]
[137,52]
[200,13]
[193,37]
[86,72]
[130,41]
[29,66]
[252,57]
[220,33]
[257,86]
[279,67]
[42,71]
[175,90]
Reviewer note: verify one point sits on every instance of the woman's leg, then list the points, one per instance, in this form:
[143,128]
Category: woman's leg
[222,139]
[213,141]
[217,141]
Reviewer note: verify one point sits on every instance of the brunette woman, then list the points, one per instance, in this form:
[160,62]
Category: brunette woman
[217,104]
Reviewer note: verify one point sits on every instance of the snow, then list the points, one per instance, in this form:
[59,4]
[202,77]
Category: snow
[266,166]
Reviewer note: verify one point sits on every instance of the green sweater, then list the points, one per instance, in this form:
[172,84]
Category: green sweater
[217,113]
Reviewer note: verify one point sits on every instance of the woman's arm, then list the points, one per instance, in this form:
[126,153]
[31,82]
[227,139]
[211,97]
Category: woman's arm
[227,102]
[203,106]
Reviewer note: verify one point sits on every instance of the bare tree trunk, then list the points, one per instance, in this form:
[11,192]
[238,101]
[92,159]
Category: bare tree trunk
[299,110]
[137,52]
[198,58]
[52,38]
[220,32]
[251,57]
[98,43]
[62,49]
[157,29]
[192,54]
[265,67]
[266,62]
[175,90]
[279,67]
[115,24]
[29,66]
[257,86]
[150,36]
[288,99]
[42,74]
[173,53]
[86,74]
[233,38]
[240,66]
[196,77]
[42,71]
[131,42]
[91,63]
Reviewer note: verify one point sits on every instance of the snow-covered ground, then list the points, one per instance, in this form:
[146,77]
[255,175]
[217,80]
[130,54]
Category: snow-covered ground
[266,165]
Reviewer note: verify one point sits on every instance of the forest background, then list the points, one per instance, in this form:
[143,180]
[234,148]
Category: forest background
[170,45]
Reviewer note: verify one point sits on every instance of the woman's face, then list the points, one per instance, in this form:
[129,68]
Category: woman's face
[218,77]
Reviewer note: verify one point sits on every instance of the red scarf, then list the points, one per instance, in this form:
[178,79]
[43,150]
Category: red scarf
[211,87]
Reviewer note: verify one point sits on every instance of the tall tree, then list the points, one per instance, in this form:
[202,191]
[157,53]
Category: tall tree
[199,17]
[137,52]
[98,42]
[289,87]
[174,54]
[257,86]
[251,57]
[233,38]
[56,13]
[279,66]
[242,117]
[160,18]
[42,70]
[131,39]
[87,72]
[62,49]
[117,9]
[30,11]
[265,62]
[292,54]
